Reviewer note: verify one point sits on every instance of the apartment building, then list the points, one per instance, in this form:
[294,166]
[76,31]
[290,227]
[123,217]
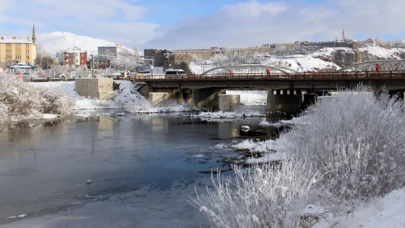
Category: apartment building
[16,50]
[75,58]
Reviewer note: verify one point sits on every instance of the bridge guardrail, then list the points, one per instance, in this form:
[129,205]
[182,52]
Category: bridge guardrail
[295,76]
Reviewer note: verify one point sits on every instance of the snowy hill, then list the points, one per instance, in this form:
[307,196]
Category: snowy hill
[67,41]
[318,60]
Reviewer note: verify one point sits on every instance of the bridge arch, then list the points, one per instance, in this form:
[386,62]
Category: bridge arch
[248,68]
[384,65]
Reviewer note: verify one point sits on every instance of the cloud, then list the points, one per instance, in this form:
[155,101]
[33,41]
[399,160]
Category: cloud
[242,24]
[254,23]
[100,9]
[117,20]
[253,9]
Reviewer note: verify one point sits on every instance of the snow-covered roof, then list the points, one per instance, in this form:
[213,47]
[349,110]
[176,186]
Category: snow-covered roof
[109,46]
[18,41]
[20,65]
[115,46]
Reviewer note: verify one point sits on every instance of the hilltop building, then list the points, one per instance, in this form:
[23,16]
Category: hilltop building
[16,50]
[372,41]
[116,50]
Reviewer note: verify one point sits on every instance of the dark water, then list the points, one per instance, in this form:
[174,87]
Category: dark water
[45,167]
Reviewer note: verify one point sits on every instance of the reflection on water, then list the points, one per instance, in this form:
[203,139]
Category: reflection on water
[10,126]
[53,162]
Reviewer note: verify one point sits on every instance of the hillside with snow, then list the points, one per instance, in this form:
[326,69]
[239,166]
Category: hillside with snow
[58,41]
[321,59]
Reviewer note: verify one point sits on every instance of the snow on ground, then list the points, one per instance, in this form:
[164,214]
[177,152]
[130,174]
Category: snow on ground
[268,124]
[199,69]
[277,146]
[228,115]
[383,52]
[301,63]
[49,116]
[388,211]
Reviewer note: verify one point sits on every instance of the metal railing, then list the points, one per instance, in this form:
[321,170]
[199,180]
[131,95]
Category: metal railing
[264,76]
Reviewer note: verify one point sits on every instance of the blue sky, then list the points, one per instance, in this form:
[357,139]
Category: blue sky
[206,23]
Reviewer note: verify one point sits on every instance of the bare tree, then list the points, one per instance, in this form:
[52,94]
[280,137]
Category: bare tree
[44,58]
[125,60]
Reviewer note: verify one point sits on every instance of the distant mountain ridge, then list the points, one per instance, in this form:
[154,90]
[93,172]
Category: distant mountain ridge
[61,41]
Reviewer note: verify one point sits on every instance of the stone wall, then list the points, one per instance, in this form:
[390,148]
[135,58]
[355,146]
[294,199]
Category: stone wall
[339,43]
[158,55]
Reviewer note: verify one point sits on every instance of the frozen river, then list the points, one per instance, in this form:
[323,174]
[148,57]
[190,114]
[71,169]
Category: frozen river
[143,169]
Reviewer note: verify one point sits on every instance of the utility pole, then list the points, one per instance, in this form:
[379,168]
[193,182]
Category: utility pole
[334,53]
[92,66]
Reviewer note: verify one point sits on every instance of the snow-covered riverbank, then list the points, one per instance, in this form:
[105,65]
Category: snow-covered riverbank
[342,158]
[125,98]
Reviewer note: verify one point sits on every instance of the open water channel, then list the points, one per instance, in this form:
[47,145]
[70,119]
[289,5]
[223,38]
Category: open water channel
[143,169]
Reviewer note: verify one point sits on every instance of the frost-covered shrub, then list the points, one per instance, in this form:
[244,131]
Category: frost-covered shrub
[263,196]
[357,141]
[20,100]
[352,146]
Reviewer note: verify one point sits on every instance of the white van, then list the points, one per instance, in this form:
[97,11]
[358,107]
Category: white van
[175,73]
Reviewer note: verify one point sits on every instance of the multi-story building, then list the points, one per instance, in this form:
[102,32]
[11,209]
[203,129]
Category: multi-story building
[116,50]
[75,58]
[16,50]
[101,62]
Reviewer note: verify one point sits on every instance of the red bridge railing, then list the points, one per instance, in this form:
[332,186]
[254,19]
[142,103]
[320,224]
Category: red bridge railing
[295,76]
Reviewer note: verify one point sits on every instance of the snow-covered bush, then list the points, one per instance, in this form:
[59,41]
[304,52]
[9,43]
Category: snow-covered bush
[357,141]
[262,196]
[347,148]
[20,100]
[55,71]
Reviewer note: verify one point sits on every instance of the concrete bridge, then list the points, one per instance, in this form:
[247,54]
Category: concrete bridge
[285,90]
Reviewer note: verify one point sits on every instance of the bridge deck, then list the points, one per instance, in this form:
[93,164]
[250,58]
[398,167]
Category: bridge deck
[297,76]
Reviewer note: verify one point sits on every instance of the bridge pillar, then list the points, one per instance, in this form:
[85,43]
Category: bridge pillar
[285,100]
[145,91]
[229,103]
[207,98]
[158,98]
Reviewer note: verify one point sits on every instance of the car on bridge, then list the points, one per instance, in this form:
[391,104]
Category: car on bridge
[175,74]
